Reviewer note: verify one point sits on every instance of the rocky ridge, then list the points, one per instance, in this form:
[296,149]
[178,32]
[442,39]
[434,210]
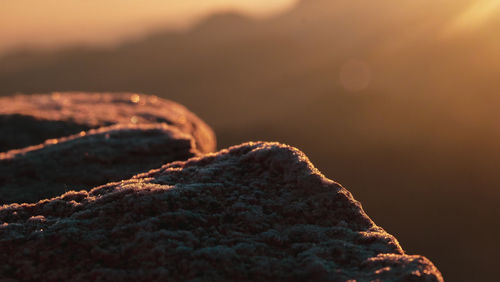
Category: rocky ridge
[89,159]
[256,211]
[31,119]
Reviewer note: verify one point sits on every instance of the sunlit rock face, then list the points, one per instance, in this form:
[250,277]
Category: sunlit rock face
[257,211]
[31,119]
[88,159]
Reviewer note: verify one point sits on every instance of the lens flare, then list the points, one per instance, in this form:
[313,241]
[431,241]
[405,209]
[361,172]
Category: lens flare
[355,75]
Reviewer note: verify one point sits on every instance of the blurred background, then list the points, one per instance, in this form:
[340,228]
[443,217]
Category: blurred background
[396,100]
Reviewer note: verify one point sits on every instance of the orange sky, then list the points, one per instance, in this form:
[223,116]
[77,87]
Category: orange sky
[476,15]
[54,23]
[50,23]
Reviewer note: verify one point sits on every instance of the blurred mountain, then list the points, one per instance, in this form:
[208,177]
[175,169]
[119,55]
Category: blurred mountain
[419,128]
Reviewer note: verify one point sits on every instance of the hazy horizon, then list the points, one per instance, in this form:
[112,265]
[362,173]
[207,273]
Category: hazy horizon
[54,24]
[28,25]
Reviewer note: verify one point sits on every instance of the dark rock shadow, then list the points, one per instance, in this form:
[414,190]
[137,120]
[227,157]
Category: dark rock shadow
[19,131]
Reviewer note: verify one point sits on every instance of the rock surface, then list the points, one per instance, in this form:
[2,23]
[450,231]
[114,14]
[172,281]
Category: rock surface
[89,159]
[258,211]
[31,119]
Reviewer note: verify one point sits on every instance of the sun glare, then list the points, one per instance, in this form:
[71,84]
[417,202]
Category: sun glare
[474,17]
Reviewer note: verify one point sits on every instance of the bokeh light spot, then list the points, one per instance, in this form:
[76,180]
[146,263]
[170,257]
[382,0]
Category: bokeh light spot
[135,98]
[355,75]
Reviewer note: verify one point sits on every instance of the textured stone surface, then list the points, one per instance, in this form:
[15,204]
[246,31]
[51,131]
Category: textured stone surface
[31,119]
[89,159]
[258,211]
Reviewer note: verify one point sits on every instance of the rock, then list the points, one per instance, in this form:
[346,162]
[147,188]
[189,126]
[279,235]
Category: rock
[31,119]
[89,159]
[257,211]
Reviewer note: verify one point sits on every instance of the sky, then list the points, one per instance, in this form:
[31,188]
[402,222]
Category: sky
[476,15]
[52,23]
[56,23]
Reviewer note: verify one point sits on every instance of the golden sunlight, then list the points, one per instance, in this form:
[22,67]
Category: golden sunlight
[474,17]
[52,23]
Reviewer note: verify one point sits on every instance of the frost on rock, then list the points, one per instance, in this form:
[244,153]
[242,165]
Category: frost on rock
[257,211]
[89,159]
[31,119]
